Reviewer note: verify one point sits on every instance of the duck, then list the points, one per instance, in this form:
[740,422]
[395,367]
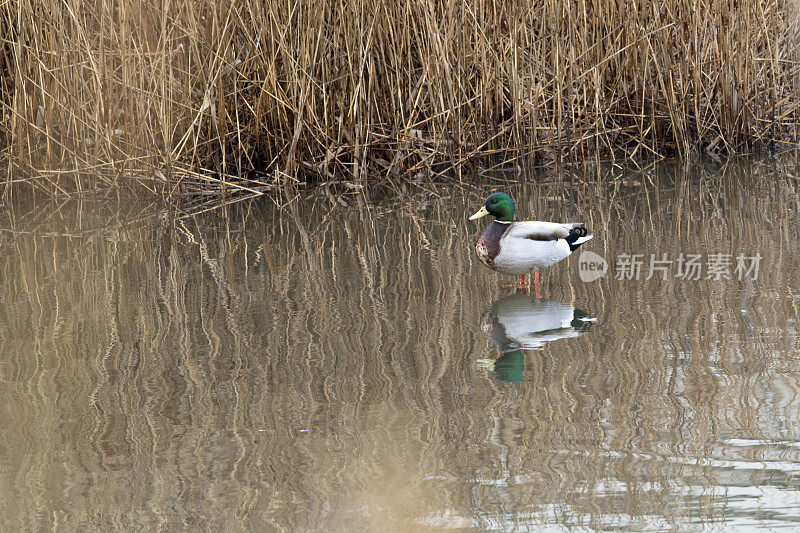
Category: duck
[518,247]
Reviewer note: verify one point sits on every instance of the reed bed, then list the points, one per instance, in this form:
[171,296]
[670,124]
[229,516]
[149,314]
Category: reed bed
[207,98]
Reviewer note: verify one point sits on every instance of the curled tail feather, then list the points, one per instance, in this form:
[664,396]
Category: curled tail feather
[577,236]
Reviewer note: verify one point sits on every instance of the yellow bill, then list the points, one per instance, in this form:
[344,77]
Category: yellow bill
[482,212]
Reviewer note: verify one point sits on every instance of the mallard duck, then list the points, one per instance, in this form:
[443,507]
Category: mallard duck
[517,248]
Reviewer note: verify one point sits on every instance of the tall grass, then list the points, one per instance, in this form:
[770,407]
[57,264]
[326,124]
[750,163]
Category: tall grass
[213,97]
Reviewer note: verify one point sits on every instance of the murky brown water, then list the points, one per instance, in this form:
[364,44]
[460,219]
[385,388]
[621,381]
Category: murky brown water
[357,368]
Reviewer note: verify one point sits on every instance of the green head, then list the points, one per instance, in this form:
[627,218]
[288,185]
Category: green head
[499,205]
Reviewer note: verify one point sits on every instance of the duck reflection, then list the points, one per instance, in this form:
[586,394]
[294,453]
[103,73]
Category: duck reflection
[518,322]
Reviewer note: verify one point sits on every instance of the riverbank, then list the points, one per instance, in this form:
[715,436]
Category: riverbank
[209,99]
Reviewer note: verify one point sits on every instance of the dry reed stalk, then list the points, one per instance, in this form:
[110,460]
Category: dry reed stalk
[106,96]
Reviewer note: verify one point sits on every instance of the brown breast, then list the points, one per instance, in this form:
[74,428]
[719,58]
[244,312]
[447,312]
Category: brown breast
[488,245]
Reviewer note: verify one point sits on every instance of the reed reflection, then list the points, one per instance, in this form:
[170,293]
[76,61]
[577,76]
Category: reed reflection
[316,370]
[520,322]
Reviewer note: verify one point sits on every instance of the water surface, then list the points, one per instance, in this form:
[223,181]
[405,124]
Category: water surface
[321,367]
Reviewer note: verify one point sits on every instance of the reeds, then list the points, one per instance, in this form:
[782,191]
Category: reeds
[214,97]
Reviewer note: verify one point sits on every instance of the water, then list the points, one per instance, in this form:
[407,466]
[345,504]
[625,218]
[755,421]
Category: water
[356,368]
